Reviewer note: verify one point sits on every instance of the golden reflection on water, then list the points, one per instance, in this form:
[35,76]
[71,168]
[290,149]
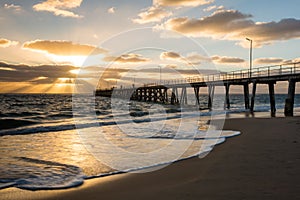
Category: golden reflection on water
[63,147]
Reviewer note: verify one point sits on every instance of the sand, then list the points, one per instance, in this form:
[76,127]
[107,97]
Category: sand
[262,163]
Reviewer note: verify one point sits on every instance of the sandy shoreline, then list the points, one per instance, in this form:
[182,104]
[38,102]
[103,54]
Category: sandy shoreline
[262,163]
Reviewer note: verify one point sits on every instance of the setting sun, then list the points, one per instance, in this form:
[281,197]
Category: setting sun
[75,71]
[74,60]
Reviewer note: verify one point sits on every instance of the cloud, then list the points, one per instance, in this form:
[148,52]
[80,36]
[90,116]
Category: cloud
[152,14]
[227,60]
[275,61]
[218,24]
[52,74]
[269,61]
[126,58]
[38,74]
[157,11]
[214,7]
[174,70]
[111,10]
[196,58]
[182,3]
[170,56]
[7,43]
[59,7]
[13,7]
[190,59]
[234,25]
[296,60]
[63,48]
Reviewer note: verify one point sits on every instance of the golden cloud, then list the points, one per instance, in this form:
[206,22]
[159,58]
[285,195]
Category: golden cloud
[157,11]
[234,25]
[59,7]
[185,3]
[7,43]
[63,48]
[152,14]
[227,60]
[126,58]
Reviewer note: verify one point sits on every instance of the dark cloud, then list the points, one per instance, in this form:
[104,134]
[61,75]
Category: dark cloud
[170,55]
[190,59]
[51,73]
[40,73]
[268,60]
[234,25]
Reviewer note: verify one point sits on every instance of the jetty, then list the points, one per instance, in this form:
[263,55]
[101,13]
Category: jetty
[175,91]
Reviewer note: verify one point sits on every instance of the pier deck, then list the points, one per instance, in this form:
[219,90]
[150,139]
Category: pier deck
[270,75]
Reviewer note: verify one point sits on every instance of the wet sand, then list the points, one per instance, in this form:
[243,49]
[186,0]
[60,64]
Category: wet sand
[262,163]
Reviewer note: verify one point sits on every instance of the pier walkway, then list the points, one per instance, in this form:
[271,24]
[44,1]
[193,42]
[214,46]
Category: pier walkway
[175,91]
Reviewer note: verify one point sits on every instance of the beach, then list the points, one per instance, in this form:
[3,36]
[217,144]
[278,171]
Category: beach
[261,163]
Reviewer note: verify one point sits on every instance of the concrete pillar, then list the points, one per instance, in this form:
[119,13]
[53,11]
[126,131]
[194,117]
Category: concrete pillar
[289,102]
[272,99]
[211,91]
[183,98]
[227,99]
[165,95]
[173,96]
[246,95]
[253,96]
[196,90]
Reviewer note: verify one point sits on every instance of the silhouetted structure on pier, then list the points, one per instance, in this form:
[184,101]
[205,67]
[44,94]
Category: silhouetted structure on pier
[264,75]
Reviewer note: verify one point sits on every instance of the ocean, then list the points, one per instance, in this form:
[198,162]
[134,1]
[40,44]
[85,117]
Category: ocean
[49,142]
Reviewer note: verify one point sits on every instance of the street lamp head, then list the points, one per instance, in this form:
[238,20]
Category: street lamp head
[248,39]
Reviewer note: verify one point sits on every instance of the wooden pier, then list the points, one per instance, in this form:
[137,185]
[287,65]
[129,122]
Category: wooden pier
[270,75]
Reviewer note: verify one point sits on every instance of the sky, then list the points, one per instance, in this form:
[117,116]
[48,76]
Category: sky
[47,46]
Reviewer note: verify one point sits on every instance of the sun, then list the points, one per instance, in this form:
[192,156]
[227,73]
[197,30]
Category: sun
[73,60]
[75,71]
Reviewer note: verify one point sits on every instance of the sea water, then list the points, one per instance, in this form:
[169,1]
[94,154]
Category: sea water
[44,144]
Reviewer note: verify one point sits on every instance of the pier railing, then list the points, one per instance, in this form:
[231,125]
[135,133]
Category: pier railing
[266,71]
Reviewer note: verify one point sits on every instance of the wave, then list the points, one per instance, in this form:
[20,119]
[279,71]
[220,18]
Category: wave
[199,135]
[22,126]
[20,114]
[60,115]
[16,127]
[35,174]
[13,123]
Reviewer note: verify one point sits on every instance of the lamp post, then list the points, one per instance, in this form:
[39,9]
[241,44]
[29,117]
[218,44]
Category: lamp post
[250,56]
[133,85]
